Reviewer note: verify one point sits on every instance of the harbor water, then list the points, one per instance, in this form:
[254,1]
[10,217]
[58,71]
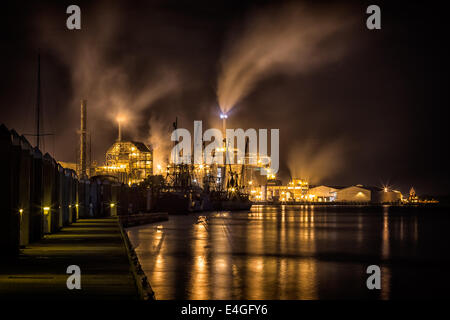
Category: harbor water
[295,252]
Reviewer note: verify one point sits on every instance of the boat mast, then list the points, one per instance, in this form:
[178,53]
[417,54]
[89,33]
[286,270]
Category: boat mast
[38,102]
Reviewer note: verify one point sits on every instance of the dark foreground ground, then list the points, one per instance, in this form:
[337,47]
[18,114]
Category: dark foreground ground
[95,245]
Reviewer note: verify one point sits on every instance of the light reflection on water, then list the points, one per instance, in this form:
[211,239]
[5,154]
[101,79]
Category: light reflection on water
[288,252]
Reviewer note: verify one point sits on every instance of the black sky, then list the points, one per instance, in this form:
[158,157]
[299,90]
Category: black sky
[380,109]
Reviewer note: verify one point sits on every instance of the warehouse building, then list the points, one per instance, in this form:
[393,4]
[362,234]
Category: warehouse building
[322,193]
[356,193]
[385,195]
[370,194]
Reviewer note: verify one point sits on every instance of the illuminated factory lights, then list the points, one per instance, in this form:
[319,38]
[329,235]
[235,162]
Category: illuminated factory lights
[130,161]
[224,118]
[120,120]
[295,190]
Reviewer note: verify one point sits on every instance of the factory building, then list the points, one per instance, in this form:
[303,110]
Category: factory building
[322,193]
[130,161]
[384,195]
[298,190]
[353,194]
[361,193]
[295,190]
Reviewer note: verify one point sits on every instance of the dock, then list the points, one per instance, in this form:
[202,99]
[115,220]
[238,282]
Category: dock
[97,246]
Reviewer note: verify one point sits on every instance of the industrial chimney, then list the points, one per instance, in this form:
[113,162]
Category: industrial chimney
[119,138]
[119,120]
[83,143]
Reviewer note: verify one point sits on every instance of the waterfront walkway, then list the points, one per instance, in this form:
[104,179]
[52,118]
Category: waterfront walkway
[95,245]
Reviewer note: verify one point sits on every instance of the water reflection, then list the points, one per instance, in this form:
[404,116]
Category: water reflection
[385,272]
[288,252]
[199,280]
[385,236]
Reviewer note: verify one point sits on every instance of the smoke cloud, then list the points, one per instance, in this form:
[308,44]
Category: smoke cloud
[288,40]
[116,82]
[159,138]
[316,162]
[296,68]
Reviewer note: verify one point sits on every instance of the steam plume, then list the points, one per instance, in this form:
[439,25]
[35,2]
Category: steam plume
[315,162]
[115,81]
[289,40]
[159,138]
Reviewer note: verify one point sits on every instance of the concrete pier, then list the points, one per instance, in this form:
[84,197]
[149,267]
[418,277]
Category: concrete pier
[97,246]
[142,218]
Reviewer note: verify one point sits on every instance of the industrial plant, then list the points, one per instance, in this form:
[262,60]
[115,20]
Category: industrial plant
[194,187]
[300,191]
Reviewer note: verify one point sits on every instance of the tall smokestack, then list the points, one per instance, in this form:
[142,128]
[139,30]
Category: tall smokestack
[83,147]
[224,118]
[119,138]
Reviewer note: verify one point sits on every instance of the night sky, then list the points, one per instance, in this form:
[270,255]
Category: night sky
[352,105]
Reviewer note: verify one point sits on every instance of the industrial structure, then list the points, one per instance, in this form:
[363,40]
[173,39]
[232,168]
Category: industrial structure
[295,190]
[413,196]
[299,191]
[131,162]
[353,194]
[322,193]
